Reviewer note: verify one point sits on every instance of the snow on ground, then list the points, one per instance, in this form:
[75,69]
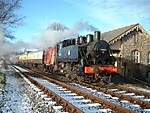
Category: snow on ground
[19,97]
[13,99]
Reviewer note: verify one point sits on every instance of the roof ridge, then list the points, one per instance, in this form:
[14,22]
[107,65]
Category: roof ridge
[113,34]
[122,27]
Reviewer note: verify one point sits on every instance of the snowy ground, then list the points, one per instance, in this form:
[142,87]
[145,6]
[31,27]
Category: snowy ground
[13,100]
[19,97]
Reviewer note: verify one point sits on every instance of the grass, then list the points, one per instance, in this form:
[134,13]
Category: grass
[2,82]
[1,86]
[2,79]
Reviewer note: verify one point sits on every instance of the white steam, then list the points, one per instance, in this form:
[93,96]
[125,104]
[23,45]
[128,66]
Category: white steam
[54,33]
[83,26]
[51,38]
[7,48]
[57,32]
[1,33]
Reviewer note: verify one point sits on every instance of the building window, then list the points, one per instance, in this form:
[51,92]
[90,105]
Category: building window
[148,59]
[136,56]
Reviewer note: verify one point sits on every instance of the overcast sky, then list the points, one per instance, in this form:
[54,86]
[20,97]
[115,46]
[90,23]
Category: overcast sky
[104,15]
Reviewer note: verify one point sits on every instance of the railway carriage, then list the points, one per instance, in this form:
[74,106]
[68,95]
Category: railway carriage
[31,59]
[35,57]
[22,58]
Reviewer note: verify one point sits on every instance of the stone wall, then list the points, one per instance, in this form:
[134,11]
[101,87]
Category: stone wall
[136,40]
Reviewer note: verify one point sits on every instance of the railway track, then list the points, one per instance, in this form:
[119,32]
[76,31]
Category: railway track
[41,98]
[104,96]
[78,100]
[107,86]
[130,90]
[117,90]
[116,98]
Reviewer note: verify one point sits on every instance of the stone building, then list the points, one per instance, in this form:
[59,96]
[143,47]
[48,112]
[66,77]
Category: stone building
[133,50]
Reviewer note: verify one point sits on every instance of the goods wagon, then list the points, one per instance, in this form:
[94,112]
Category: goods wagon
[50,58]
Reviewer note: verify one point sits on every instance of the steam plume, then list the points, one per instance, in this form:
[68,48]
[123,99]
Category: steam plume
[57,32]
[1,32]
[7,48]
[83,26]
[51,38]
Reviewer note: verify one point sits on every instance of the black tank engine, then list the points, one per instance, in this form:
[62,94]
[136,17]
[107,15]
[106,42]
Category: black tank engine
[90,53]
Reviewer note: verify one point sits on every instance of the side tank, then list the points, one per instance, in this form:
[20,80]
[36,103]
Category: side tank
[67,53]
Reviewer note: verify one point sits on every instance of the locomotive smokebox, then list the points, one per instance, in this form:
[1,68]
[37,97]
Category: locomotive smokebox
[97,35]
[89,38]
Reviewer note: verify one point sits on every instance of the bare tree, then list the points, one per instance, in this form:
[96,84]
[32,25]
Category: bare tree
[56,26]
[8,17]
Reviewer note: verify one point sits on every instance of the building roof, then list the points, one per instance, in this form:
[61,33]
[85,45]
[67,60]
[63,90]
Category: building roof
[116,34]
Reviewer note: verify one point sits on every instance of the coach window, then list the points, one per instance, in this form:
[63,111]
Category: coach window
[148,59]
[136,56]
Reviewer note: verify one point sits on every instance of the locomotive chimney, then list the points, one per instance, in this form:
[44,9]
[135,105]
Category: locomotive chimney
[73,42]
[89,38]
[76,41]
[84,39]
[81,40]
[97,35]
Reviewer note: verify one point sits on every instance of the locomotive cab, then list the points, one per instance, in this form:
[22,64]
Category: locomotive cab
[67,51]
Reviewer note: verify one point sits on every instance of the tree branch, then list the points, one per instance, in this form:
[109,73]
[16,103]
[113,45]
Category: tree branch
[7,15]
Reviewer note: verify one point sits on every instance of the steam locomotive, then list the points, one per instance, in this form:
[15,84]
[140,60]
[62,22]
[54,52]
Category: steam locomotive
[81,58]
